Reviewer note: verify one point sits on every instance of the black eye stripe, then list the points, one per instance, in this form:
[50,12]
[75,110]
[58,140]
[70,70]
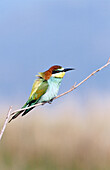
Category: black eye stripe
[57,71]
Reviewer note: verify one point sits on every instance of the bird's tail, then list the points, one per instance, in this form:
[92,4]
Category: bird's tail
[18,113]
[28,103]
[27,110]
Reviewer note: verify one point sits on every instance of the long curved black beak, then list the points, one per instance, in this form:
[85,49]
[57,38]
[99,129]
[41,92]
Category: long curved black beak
[68,69]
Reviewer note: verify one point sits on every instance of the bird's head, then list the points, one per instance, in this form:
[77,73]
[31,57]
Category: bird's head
[54,71]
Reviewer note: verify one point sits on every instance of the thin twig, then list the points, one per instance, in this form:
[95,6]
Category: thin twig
[75,86]
[71,89]
[38,104]
[5,123]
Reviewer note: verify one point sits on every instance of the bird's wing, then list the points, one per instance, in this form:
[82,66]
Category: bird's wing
[35,86]
[40,86]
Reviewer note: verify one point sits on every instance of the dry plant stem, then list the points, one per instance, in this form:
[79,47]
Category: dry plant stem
[73,87]
[38,104]
[5,123]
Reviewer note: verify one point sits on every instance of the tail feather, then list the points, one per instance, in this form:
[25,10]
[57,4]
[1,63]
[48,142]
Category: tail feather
[18,113]
[26,111]
[28,103]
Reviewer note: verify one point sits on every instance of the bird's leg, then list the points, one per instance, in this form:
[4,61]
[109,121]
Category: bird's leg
[44,102]
[50,101]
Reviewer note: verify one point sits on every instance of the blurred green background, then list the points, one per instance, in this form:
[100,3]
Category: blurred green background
[74,132]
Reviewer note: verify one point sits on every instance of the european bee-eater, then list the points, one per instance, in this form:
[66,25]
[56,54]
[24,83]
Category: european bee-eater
[45,87]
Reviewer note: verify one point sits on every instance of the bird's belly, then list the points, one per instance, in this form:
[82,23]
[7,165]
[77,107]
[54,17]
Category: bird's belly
[50,94]
[52,90]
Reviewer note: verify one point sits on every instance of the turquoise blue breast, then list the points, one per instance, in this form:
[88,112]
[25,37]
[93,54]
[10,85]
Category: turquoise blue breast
[52,91]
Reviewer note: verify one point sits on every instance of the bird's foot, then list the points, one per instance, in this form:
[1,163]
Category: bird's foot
[50,101]
[44,103]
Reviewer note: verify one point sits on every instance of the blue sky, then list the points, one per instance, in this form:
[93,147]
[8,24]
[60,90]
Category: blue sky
[36,34]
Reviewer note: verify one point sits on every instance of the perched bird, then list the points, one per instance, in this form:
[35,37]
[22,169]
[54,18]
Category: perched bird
[45,88]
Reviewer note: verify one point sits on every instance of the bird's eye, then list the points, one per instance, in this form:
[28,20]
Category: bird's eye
[55,71]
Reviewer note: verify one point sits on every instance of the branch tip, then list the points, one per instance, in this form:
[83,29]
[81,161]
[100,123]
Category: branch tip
[108,60]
